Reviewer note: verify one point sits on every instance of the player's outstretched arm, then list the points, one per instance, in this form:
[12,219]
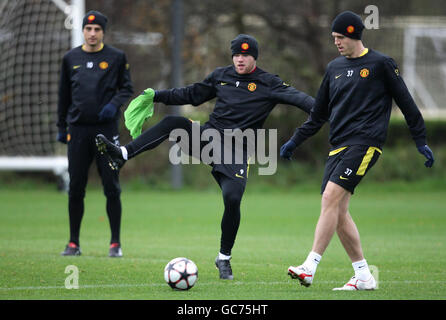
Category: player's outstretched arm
[194,94]
[281,92]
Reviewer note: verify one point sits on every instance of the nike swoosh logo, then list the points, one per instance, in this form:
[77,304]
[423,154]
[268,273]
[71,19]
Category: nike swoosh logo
[338,76]
[223,83]
[342,178]
[239,176]
[75,67]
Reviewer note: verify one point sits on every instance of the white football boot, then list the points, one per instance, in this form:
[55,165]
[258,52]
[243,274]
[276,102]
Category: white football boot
[356,284]
[301,273]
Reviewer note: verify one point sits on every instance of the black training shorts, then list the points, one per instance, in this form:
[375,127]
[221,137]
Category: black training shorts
[236,163]
[346,166]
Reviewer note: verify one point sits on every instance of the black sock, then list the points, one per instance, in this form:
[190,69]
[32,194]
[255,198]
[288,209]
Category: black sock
[75,213]
[114,211]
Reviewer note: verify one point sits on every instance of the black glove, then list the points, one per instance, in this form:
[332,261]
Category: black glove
[286,151]
[62,136]
[427,152]
[108,112]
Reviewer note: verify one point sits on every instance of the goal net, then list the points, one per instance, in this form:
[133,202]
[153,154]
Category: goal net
[34,35]
[418,45]
[425,67]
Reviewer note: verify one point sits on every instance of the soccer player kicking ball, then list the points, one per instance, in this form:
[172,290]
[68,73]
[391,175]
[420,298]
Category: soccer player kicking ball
[355,97]
[245,96]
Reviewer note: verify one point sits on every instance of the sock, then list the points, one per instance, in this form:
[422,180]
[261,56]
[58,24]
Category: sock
[75,213]
[312,261]
[222,256]
[125,154]
[362,271]
[114,212]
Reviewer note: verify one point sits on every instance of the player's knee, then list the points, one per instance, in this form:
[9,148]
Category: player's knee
[330,199]
[327,196]
[76,195]
[334,200]
[112,193]
[232,199]
[170,123]
[175,121]
[77,187]
[333,192]
[170,118]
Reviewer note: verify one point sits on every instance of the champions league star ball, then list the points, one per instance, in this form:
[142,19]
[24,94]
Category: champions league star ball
[181,273]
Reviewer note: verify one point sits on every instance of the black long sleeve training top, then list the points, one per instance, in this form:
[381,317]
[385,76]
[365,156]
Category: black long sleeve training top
[89,81]
[355,97]
[243,101]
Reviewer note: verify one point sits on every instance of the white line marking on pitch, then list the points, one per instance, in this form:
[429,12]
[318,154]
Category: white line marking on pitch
[201,284]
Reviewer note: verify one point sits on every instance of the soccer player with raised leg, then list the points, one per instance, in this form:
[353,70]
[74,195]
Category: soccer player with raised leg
[94,83]
[245,96]
[355,97]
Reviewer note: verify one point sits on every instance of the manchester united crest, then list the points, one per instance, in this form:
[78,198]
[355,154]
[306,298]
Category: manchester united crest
[103,65]
[364,72]
[252,86]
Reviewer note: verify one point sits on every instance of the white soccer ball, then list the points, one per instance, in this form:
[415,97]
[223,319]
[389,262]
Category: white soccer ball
[181,273]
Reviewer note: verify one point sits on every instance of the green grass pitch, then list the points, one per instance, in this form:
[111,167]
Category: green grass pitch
[403,236]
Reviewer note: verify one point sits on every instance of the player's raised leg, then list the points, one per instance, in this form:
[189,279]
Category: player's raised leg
[148,140]
[112,152]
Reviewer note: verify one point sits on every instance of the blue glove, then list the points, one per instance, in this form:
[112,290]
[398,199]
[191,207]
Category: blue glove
[62,136]
[286,151]
[108,112]
[427,152]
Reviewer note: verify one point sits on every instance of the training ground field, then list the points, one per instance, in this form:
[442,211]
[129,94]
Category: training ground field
[403,235]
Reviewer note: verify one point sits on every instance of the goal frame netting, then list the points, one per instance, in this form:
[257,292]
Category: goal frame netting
[56,164]
[414,81]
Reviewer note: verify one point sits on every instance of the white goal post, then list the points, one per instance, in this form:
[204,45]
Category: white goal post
[34,35]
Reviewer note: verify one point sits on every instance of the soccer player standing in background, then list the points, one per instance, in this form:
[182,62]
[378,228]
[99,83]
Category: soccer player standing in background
[355,97]
[94,83]
[245,96]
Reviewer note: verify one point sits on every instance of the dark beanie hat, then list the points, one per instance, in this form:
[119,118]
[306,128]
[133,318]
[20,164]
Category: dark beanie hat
[349,24]
[95,17]
[245,44]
